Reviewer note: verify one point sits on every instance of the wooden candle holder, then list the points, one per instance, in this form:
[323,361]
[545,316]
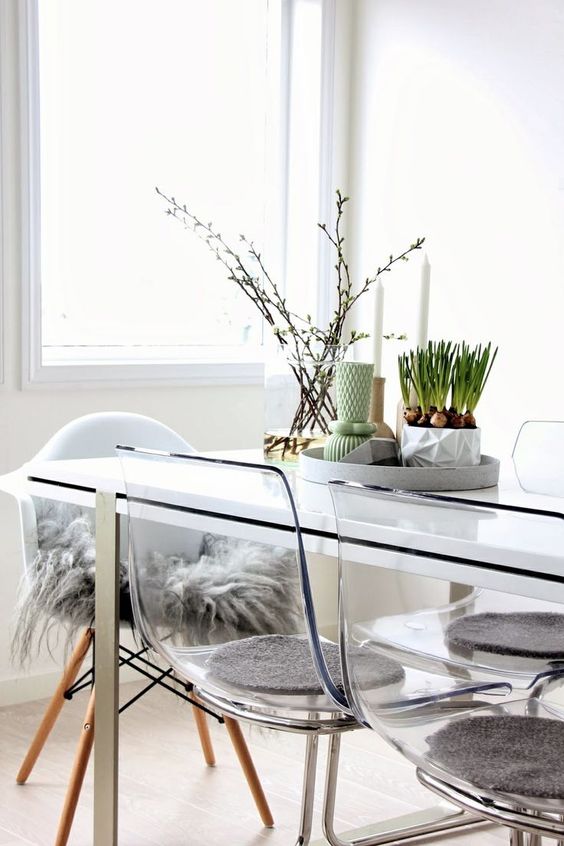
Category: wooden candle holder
[376,415]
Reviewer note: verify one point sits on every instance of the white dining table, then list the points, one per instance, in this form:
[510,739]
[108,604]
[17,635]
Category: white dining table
[98,483]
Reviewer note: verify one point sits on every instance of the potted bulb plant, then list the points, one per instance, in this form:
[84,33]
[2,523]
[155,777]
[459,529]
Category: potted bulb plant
[441,386]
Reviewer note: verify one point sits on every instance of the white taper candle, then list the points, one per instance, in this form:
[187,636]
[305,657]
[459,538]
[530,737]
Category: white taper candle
[378,329]
[422,335]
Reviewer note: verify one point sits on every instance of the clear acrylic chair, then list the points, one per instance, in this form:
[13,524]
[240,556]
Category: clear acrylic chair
[243,633]
[480,706]
[95,436]
[538,458]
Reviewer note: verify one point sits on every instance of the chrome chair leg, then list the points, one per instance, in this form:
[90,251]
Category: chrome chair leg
[333,754]
[308,790]
[429,821]
[516,837]
[534,840]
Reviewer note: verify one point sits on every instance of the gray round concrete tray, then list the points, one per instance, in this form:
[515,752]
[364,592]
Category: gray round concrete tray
[484,475]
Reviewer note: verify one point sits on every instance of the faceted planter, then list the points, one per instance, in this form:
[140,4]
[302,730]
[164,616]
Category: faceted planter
[423,446]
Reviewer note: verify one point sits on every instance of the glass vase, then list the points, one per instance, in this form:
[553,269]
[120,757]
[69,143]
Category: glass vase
[299,401]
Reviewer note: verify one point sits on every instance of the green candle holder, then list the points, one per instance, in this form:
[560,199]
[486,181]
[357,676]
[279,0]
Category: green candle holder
[354,392]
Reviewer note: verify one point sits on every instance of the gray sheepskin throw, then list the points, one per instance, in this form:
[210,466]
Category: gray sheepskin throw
[234,589]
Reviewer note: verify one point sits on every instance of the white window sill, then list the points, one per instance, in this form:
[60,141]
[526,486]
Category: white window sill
[144,374]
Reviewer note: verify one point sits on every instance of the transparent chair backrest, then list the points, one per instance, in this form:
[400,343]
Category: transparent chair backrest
[418,573]
[538,457]
[234,566]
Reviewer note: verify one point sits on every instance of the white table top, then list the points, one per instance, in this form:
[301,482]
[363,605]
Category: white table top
[83,476]
[313,499]
[534,549]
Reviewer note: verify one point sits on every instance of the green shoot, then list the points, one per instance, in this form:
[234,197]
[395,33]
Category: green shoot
[405,378]
[440,358]
[483,363]
[419,369]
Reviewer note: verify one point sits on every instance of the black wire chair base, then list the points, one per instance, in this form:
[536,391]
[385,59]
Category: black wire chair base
[156,674]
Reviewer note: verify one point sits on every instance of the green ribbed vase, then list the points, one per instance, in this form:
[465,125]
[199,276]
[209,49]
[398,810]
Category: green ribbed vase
[337,446]
[354,390]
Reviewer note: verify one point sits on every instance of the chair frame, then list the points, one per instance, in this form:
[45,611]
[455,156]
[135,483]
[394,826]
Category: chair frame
[518,820]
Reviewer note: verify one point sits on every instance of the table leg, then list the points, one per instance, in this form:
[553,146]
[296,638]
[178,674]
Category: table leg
[106,671]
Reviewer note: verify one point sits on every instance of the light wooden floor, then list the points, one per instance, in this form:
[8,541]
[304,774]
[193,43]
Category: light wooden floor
[169,798]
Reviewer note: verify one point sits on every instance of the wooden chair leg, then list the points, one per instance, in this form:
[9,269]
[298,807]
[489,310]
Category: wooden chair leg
[201,720]
[249,771]
[81,758]
[54,708]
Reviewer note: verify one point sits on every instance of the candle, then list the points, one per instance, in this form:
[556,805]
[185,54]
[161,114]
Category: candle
[378,327]
[422,335]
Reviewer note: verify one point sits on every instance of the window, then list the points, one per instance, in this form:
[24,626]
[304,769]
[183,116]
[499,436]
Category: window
[148,99]
[217,104]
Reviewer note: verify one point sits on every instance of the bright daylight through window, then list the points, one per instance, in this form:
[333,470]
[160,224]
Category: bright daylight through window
[134,95]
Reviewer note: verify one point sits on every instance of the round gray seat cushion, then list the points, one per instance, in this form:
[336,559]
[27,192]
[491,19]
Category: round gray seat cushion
[283,664]
[512,754]
[523,634]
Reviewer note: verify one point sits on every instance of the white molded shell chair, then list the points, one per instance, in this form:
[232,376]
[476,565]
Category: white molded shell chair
[96,436]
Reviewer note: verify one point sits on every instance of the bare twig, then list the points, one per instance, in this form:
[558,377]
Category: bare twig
[312,348]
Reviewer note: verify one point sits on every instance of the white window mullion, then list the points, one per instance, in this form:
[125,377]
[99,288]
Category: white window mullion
[302,207]
[326,294]
[335,122]
[5,29]
[318,127]
[30,231]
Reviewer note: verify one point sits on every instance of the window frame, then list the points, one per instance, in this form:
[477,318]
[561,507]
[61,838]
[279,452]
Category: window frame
[4,180]
[243,369]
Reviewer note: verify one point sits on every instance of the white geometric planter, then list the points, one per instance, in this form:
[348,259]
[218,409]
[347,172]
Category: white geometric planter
[428,447]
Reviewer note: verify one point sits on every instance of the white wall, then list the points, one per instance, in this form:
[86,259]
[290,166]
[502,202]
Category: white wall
[458,135]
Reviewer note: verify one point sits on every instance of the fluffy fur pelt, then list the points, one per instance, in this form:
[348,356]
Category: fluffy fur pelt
[234,588]
[58,586]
